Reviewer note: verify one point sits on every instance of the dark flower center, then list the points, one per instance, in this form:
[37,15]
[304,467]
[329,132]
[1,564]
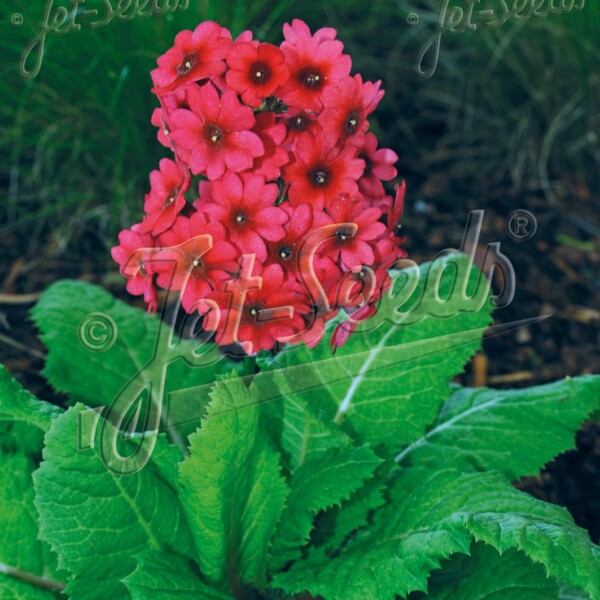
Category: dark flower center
[252,311]
[319,175]
[197,266]
[285,253]
[341,235]
[259,73]
[171,197]
[240,218]
[311,78]
[352,122]
[299,122]
[213,134]
[187,64]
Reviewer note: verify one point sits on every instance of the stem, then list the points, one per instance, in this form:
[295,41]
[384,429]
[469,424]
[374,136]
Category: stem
[41,582]
[249,365]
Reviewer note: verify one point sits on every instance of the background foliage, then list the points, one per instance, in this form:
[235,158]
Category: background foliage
[508,108]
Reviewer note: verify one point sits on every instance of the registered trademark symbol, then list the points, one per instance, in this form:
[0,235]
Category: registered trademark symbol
[521,225]
[412,19]
[17,19]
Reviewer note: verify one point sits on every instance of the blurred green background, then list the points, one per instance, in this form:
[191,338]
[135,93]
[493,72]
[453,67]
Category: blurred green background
[509,108]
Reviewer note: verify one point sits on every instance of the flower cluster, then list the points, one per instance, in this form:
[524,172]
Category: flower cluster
[272,216]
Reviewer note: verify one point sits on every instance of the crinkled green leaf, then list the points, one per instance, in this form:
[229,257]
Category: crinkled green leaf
[97,345]
[95,519]
[315,486]
[232,488]
[298,433]
[385,385]
[487,575]
[513,431]
[26,568]
[23,418]
[166,576]
[335,525]
[435,515]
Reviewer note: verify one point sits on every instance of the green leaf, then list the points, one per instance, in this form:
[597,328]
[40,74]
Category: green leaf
[513,431]
[299,434]
[97,520]
[334,526]
[99,347]
[436,515]
[315,486]
[164,576]
[23,418]
[26,569]
[487,575]
[388,381]
[232,489]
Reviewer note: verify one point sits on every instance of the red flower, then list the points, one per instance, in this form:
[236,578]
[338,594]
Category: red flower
[302,220]
[315,63]
[166,197]
[272,135]
[255,71]
[266,262]
[379,166]
[201,256]
[321,285]
[244,205]
[216,131]
[135,254]
[261,316]
[397,208]
[388,252]
[346,328]
[346,108]
[353,246]
[320,173]
[298,122]
[196,55]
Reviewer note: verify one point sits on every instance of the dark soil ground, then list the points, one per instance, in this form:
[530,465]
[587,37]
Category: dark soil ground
[557,274]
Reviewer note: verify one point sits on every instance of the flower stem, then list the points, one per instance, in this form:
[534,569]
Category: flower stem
[249,366]
[35,580]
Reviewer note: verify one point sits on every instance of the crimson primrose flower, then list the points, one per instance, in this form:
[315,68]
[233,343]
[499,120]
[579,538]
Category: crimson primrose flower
[272,133]
[135,254]
[271,312]
[379,167]
[244,205]
[302,220]
[196,55]
[195,258]
[255,71]
[216,132]
[315,63]
[166,198]
[353,249]
[346,108]
[298,122]
[321,172]
[297,193]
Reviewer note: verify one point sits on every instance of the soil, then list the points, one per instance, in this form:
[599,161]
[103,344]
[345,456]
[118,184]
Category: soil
[557,277]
